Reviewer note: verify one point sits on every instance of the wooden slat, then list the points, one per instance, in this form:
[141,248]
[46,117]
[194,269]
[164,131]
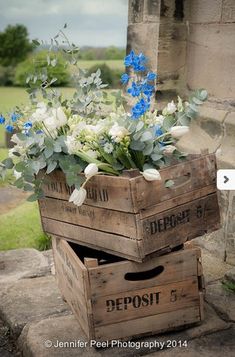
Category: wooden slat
[196,173]
[108,278]
[129,305]
[102,191]
[102,219]
[148,325]
[133,194]
[126,247]
[72,287]
[185,222]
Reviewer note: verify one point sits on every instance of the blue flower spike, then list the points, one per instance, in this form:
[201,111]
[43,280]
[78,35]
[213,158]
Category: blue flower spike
[14,117]
[2,119]
[125,78]
[9,128]
[151,76]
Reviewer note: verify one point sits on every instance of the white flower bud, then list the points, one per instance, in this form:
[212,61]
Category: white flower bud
[169,149]
[61,116]
[91,170]
[151,175]
[170,108]
[178,131]
[78,196]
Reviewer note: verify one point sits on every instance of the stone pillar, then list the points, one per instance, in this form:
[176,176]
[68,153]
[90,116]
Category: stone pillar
[172,46]
[143,29]
[211,48]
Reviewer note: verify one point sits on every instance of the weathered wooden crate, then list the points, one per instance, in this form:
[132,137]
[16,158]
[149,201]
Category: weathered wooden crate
[113,298]
[131,217]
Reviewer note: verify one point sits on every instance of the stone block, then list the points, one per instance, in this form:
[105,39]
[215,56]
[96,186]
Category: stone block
[206,112]
[228,11]
[22,263]
[214,345]
[203,11]
[30,300]
[135,11]
[210,60]
[152,10]
[222,300]
[66,329]
[138,39]
[229,276]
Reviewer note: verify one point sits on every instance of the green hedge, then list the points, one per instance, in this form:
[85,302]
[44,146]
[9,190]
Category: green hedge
[38,61]
[109,76]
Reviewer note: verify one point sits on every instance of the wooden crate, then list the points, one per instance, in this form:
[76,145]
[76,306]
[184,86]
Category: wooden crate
[131,217]
[113,298]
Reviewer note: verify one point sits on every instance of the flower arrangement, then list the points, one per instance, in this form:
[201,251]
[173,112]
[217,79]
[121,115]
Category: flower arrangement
[91,134]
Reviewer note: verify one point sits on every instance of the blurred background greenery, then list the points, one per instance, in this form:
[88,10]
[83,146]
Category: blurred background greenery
[20,225]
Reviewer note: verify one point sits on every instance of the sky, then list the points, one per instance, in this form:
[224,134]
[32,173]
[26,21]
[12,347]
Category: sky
[90,22]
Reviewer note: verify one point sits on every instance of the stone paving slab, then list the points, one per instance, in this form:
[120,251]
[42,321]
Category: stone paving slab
[28,300]
[22,263]
[66,329]
[222,299]
[216,345]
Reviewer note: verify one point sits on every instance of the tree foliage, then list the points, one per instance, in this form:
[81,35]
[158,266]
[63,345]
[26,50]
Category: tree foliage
[15,45]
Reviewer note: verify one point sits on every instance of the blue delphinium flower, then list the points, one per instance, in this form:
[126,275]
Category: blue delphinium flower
[128,60]
[9,128]
[27,125]
[140,108]
[2,119]
[158,130]
[148,89]
[151,76]
[124,78]
[134,90]
[15,117]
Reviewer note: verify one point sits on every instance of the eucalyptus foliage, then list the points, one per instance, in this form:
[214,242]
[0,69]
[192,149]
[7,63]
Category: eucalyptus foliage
[67,134]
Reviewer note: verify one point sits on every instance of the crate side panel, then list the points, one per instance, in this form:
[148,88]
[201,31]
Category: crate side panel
[71,288]
[102,191]
[148,325]
[107,220]
[134,304]
[188,176]
[125,247]
[181,223]
[108,278]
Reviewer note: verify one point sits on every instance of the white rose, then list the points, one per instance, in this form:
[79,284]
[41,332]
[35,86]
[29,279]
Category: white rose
[169,149]
[178,131]
[78,196]
[151,175]
[73,145]
[50,123]
[92,153]
[91,170]
[118,132]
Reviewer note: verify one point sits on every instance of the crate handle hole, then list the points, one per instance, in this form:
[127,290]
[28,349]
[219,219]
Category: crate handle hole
[144,275]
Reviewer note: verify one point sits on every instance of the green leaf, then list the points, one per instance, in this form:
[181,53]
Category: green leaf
[147,135]
[137,145]
[36,42]
[20,166]
[156,157]
[33,197]
[8,163]
[148,149]
[51,166]
[168,122]
[169,183]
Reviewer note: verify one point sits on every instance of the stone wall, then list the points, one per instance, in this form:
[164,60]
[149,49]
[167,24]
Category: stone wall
[193,46]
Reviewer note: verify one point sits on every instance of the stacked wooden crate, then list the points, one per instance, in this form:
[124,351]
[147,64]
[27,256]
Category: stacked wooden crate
[160,286]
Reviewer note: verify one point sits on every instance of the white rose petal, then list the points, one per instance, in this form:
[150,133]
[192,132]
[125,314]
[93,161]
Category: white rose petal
[78,196]
[151,175]
[178,131]
[91,170]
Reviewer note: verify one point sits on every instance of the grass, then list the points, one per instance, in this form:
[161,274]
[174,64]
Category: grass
[21,228]
[113,64]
